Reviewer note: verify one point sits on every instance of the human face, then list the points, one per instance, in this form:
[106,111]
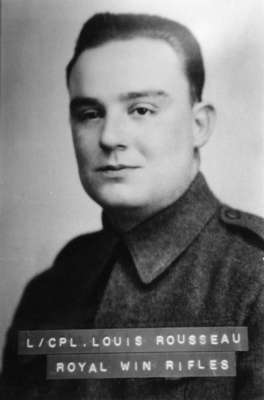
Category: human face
[132,123]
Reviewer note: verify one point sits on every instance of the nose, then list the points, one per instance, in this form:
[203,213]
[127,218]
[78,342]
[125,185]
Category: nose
[113,133]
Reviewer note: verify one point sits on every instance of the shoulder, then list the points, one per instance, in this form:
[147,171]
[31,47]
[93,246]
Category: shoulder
[249,226]
[241,236]
[243,250]
[78,248]
[78,263]
[239,252]
[73,254]
[61,281]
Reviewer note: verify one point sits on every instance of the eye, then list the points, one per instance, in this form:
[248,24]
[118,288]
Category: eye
[142,110]
[87,114]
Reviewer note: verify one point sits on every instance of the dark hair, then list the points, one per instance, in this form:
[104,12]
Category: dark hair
[105,27]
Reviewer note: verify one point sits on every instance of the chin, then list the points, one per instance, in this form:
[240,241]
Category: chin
[118,203]
[117,199]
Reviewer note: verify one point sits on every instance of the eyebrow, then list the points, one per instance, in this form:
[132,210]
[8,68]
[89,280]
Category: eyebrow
[145,93]
[83,101]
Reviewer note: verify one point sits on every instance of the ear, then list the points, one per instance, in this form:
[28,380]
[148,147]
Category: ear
[203,123]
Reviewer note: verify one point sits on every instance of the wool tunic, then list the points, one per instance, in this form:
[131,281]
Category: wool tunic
[195,263]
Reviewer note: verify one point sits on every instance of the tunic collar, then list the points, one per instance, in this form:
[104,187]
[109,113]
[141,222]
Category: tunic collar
[158,241]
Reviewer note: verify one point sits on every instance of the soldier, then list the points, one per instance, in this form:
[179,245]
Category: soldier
[169,253]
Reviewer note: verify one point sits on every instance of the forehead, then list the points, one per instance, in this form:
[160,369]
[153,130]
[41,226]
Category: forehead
[127,65]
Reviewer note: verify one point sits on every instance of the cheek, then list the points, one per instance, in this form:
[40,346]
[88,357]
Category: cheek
[167,136]
[85,146]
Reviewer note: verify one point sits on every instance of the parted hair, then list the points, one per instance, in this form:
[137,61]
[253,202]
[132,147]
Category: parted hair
[106,27]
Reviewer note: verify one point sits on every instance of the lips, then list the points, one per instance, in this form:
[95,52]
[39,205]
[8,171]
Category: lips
[117,167]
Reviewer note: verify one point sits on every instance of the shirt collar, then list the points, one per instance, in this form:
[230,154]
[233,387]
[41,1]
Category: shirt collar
[156,242]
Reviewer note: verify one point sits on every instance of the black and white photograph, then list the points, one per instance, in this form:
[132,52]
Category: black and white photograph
[132,200]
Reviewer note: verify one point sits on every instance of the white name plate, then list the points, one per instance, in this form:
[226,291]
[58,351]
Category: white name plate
[141,365]
[222,339]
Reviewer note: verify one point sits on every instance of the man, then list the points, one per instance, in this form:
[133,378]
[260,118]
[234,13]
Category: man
[169,253]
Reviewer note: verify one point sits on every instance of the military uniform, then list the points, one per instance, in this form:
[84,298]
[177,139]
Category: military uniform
[195,263]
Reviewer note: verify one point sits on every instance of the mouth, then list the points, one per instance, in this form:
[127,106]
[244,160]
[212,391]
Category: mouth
[116,171]
[117,167]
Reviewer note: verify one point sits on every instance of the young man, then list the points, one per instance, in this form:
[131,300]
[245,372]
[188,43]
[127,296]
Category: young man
[169,255]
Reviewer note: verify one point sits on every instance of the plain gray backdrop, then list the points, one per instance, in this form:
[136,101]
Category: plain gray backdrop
[42,202]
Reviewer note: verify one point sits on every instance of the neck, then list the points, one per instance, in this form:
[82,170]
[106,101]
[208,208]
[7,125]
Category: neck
[124,219]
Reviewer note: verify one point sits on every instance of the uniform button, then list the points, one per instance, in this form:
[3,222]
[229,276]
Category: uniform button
[232,214]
